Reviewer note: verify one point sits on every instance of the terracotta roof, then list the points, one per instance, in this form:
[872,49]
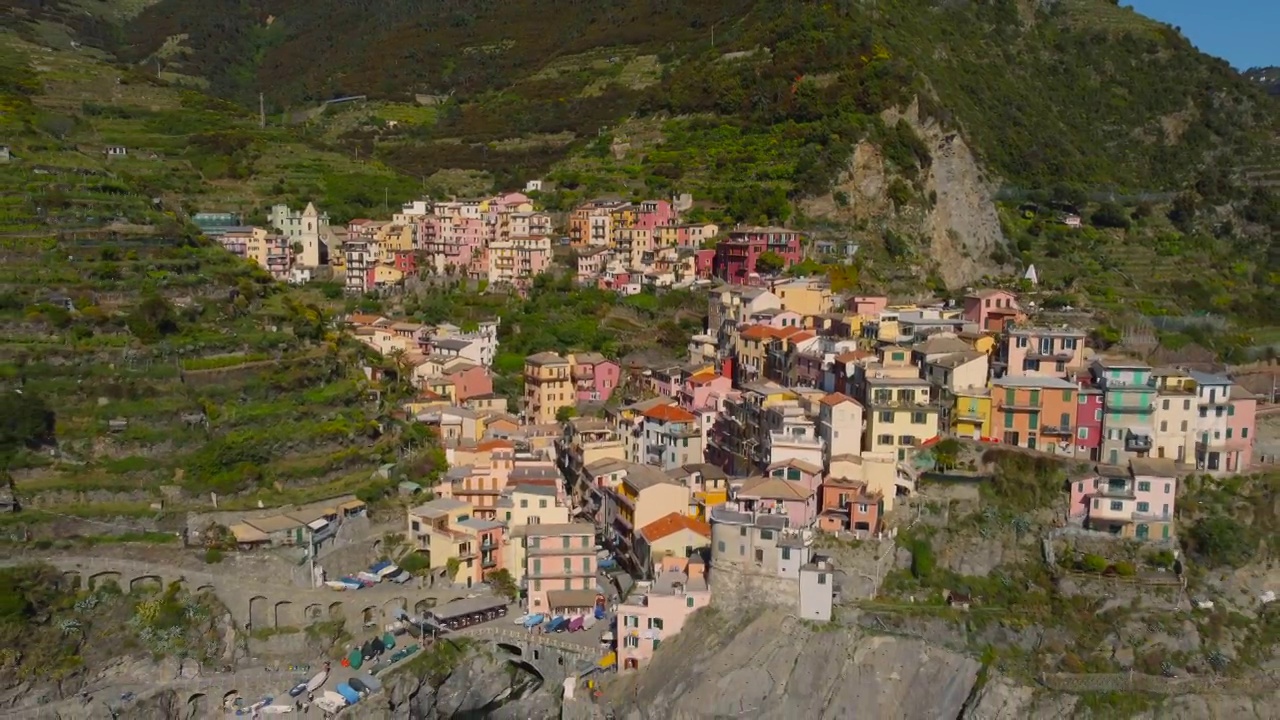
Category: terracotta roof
[359,319]
[758,332]
[835,398]
[545,358]
[704,377]
[802,336]
[672,523]
[669,413]
[495,445]
[854,355]
[787,332]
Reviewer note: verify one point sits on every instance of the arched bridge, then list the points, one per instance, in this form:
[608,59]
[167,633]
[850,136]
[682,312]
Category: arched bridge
[552,658]
[254,603]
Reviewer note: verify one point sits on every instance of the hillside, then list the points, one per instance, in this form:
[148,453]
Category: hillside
[173,369]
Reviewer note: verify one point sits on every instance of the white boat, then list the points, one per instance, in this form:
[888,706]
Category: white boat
[316,682]
[276,709]
[335,585]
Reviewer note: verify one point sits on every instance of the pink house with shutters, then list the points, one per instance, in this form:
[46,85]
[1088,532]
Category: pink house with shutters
[595,377]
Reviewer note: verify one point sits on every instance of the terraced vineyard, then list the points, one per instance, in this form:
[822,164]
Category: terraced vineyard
[176,371]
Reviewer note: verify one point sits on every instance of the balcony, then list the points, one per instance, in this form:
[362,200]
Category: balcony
[1131,409]
[1117,490]
[1056,430]
[1137,442]
[970,416]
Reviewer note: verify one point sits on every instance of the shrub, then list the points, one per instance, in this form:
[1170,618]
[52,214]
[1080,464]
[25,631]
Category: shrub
[1093,563]
[213,556]
[1126,569]
[1222,540]
[922,560]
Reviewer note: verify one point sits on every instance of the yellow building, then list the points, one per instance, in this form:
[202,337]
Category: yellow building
[644,496]
[547,387]
[901,413]
[393,239]
[971,412]
[446,529]
[805,296]
[384,275]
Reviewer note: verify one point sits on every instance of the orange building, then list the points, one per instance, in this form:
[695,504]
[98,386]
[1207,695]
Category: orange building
[1034,412]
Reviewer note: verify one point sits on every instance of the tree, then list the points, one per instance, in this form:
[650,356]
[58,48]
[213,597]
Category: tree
[1222,540]
[25,423]
[1110,215]
[770,263]
[503,584]
[152,319]
[566,413]
[946,453]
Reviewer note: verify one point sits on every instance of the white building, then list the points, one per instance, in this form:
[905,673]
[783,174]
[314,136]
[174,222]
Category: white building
[309,228]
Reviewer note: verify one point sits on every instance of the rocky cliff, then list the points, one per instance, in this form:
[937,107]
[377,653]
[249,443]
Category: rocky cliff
[774,665]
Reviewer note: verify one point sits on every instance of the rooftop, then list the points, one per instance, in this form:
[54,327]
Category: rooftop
[546,490]
[774,489]
[672,523]
[642,477]
[942,344]
[669,414]
[545,358]
[1031,381]
[439,507]
[1159,467]
[557,529]
[480,525]
[955,360]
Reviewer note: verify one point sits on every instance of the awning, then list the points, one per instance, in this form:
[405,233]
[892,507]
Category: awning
[571,599]
[248,534]
[351,505]
[318,525]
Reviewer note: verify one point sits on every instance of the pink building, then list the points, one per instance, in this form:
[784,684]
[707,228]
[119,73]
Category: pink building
[735,258]
[1040,351]
[560,567]
[487,536]
[989,309]
[1138,504]
[867,305]
[616,280]
[704,390]
[471,382]
[773,317]
[1242,418]
[595,377]
[703,262]
[592,262]
[1088,435]
[796,500]
[652,213]
[806,474]
[658,609]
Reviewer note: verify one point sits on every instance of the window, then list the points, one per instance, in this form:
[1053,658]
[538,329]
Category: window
[1117,505]
[1184,426]
[1065,420]
[793,473]
[906,440]
[886,416]
[1204,412]
[1164,425]
[1165,405]
[1244,433]
[759,556]
[1143,507]
[542,503]
[898,357]
[1228,433]
[742,531]
[568,565]
[918,418]
[1066,396]
[1144,486]
[586,565]
[1080,487]
[1097,415]
[822,578]
[884,439]
[1030,365]
[862,508]
[417,525]
[1231,410]
[786,553]
[1022,341]
[1166,488]
[1186,404]
[766,534]
[1084,399]
[508,516]
[565,541]
[720,546]
[524,503]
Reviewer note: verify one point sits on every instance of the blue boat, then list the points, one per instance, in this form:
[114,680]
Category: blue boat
[558,624]
[534,620]
[350,695]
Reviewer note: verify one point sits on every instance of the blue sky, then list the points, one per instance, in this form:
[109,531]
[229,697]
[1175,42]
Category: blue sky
[1246,33]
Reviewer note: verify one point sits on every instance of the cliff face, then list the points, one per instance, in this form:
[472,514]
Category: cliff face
[777,666]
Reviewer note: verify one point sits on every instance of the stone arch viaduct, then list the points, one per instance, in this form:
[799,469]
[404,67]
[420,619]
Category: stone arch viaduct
[253,602]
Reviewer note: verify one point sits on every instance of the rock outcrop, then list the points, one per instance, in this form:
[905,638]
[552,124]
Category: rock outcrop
[777,666]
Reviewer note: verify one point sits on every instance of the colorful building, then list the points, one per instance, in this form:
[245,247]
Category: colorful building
[658,609]
[1035,412]
[1137,504]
